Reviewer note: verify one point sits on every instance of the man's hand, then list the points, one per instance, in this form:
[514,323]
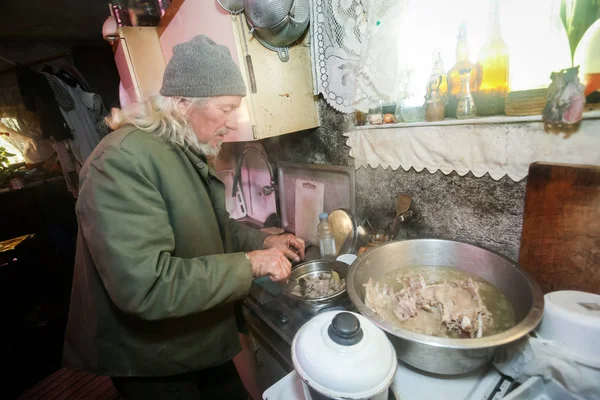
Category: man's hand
[271,262]
[289,241]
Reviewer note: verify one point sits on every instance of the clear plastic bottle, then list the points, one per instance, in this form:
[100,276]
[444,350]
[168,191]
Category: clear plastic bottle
[326,239]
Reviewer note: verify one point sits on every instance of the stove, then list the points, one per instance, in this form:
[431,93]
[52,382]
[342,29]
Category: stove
[285,316]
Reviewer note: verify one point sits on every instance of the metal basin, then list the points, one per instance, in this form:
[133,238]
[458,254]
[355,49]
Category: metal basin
[444,355]
[315,267]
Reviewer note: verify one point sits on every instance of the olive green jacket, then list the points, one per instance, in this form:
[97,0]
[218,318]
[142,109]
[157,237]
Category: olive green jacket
[156,270]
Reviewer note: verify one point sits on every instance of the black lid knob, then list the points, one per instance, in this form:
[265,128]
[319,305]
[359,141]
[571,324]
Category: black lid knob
[345,329]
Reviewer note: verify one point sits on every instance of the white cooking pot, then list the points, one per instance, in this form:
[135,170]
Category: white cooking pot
[342,355]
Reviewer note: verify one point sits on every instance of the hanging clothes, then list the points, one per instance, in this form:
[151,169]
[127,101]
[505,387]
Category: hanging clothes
[84,113]
[61,95]
[38,97]
[69,165]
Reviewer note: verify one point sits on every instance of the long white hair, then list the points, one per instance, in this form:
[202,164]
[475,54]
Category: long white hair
[164,117]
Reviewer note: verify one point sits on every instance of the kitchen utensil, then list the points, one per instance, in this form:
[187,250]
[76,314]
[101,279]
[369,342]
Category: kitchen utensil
[267,13]
[248,58]
[311,268]
[345,231]
[403,213]
[445,355]
[342,355]
[234,7]
[572,318]
[397,223]
[403,203]
[363,234]
[236,205]
[561,227]
[277,24]
[347,258]
[309,204]
[338,180]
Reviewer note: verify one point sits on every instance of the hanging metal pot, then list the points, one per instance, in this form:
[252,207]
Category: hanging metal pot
[277,24]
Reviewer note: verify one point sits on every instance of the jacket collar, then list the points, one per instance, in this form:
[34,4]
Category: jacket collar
[200,163]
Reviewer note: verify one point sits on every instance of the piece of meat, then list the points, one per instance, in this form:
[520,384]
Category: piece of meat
[458,303]
[378,298]
[322,285]
[406,306]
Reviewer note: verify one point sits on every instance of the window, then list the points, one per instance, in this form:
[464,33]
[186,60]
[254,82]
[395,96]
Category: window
[11,145]
[406,36]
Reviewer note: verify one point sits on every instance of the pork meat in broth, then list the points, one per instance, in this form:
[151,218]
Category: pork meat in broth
[460,305]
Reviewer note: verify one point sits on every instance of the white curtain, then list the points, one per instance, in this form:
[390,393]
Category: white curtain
[404,36]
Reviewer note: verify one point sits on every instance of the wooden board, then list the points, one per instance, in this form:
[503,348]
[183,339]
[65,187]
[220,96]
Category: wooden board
[560,244]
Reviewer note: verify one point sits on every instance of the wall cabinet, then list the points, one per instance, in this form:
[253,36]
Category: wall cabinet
[140,63]
[284,100]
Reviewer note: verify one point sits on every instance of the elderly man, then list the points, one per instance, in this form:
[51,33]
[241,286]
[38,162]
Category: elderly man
[159,262]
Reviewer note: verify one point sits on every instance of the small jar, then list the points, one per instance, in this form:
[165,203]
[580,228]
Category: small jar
[412,109]
[434,109]
[360,118]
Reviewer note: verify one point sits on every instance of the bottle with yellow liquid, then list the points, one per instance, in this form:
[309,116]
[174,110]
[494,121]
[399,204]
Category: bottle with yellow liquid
[494,60]
[454,75]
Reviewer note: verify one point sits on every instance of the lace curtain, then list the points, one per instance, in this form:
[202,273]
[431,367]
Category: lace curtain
[338,29]
[365,51]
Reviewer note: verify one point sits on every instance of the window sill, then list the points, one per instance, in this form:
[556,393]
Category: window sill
[499,119]
[496,146]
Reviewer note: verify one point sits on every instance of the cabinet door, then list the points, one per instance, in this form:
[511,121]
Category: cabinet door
[128,81]
[202,17]
[140,62]
[284,100]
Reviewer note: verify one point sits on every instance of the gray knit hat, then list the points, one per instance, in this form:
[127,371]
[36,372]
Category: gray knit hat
[202,68]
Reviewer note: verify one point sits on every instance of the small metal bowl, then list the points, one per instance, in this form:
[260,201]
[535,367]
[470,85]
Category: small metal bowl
[313,268]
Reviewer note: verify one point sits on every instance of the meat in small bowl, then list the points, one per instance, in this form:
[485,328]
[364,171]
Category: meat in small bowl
[317,281]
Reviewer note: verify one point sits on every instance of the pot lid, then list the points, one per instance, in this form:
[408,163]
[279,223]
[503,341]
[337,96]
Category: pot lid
[344,228]
[343,355]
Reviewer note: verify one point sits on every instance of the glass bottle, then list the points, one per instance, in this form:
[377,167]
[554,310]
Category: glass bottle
[494,62]
[494,56]
[454,76]
[463,62]
[326,239]
[465,107]
[438,81]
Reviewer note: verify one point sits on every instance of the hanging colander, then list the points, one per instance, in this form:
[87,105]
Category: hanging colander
[277,24]
[233,7]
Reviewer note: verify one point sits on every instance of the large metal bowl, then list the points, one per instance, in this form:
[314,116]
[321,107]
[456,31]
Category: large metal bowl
[444,355]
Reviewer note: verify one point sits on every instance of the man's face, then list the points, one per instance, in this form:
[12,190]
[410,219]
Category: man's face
[214,119]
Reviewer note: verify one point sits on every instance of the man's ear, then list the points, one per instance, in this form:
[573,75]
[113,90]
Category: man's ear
[183,104]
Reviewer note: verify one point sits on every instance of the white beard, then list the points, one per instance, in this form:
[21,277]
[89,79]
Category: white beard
[208,150]
[203,148]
